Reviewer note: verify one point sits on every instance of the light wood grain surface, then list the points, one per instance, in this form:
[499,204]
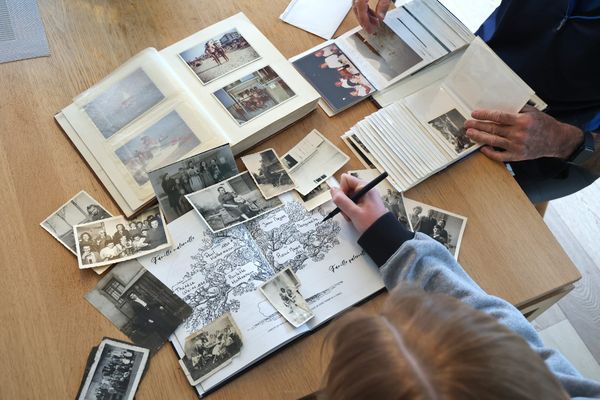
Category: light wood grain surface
[47,328]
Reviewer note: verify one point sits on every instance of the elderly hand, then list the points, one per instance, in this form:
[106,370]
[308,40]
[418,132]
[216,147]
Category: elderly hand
[528,135]
[363,213]
[369,19]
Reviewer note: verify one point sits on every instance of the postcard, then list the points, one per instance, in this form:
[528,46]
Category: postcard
[282,292]
[312,161]
[231,202]
[115,239]
[172,182]
[301,13]
[316,197]
[269,174]
[219,55]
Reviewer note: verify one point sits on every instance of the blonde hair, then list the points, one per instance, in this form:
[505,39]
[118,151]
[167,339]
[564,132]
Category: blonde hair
[431,346]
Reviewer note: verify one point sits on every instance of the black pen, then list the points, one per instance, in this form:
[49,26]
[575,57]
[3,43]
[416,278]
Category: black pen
[356,196]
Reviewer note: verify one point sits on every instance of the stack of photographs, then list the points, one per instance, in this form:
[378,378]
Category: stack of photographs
[357,64]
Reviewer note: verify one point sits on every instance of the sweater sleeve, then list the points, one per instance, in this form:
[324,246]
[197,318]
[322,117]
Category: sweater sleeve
[423,262]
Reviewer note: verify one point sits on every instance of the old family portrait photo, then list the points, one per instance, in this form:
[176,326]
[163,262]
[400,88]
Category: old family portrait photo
[117,239]
[123,102]
[268,173]
[211,348]
[164,142]
[219,56]
[231,202]
[451,127]
[282,292]
[333,75]
[254,94]
[443,226]
[172,182]
[115,372]
[80,209]
[140,305]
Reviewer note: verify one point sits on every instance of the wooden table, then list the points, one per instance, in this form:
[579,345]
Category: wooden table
[48,328]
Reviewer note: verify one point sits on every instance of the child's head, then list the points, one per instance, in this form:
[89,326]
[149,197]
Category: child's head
[432,346]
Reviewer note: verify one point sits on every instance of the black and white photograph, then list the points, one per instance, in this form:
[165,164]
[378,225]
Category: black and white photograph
[269,174]
[165,142]
[312,161]
[116,371]
[443,226]
[254,94]
[172,182]
[123,102]
[115,239]
[140,305]
[80,209]
[231,202]
[316,197]
[385,51]
[211,348]
[219,56]
[335,77]
[392,199]
[282,292]
[451,127]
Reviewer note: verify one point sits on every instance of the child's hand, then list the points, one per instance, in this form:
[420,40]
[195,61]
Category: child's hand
[366,211]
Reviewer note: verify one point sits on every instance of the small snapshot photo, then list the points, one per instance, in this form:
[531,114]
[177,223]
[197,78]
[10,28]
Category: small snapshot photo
[316,197]
[123,102]
[80,209]
[140,305]
[392,199]
[231,202]
[211,349]
[312,161]
[282,292]
[254,95]
[269,174]
[219,56]
[115,372]
[445,227]
[332,74]
[115,239]
[451,127]
[172,182]
[163,143]
[385,51]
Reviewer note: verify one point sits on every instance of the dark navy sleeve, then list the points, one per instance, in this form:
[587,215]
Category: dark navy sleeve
[384,238]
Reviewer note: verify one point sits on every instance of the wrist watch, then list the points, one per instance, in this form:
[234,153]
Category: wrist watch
[585,151]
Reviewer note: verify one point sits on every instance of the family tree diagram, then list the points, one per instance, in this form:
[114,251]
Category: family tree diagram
[237,261]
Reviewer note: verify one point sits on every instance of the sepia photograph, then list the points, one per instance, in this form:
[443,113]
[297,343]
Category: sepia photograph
[116,371]
[115,239]
[269,174]
[254,94]
[165,142]
[80,209]
[451,127]
[210,349]
[443,226]
[312,161]
[282,292]
[334,76]
[123,102]
[140,305]
[231,202]
[392,199]
[385,51]
[316,197]
[172,182]
[219,56]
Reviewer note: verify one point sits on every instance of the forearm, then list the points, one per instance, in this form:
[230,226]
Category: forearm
[593,164]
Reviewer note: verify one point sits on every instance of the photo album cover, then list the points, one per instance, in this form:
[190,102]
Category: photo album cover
[226,84]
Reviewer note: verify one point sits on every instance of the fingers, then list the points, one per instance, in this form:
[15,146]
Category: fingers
[382,8]
[348,207]
[501,156]
[488,127]
[350,184]
[366,17]
[488,139]
[495,116]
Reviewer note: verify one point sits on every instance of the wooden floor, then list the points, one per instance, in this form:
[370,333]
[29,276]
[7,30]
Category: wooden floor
[573,325]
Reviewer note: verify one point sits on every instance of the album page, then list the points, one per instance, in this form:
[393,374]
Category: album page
[219,273]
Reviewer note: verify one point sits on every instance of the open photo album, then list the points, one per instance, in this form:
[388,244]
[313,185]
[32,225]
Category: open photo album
[224,84]
[230,271]
[354,66]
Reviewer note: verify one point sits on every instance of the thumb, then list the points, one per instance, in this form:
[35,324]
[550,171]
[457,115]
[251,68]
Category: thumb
[344,203]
